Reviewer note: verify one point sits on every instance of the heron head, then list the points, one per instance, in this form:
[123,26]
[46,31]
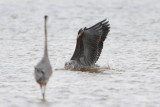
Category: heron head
[69,65]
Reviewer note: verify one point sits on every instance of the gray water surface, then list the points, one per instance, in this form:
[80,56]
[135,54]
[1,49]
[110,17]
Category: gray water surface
[131,52]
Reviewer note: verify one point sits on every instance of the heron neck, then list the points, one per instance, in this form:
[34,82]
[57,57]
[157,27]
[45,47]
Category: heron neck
[45,42]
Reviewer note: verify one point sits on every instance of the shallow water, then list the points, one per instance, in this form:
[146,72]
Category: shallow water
[131,51]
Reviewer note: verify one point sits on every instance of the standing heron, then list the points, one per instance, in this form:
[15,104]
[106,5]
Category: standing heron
[43,69]
[89,46]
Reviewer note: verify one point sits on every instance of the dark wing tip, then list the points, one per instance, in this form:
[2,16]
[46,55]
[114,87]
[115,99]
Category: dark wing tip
[103,20]
[97,25]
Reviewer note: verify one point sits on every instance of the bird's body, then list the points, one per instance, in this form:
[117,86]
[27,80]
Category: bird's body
[75,65]
[43,69]
[89,46]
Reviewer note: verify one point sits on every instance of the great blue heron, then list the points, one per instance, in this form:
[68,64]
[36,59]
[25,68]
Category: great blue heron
[43,69]
[89,46]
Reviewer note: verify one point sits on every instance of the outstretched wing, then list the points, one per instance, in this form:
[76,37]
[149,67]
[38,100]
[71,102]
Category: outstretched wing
[90,43]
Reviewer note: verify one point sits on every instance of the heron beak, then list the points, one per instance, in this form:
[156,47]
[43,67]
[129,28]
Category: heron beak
[80,34]
[43,88]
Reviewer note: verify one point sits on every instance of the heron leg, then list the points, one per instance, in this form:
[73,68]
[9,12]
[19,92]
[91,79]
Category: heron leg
[43,88]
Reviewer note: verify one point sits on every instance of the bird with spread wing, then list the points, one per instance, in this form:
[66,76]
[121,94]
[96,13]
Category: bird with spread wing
[89,46]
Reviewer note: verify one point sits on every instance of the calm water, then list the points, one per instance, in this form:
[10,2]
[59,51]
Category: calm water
[131,51]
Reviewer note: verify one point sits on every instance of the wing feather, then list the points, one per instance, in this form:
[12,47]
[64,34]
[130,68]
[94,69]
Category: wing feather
[105,30]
